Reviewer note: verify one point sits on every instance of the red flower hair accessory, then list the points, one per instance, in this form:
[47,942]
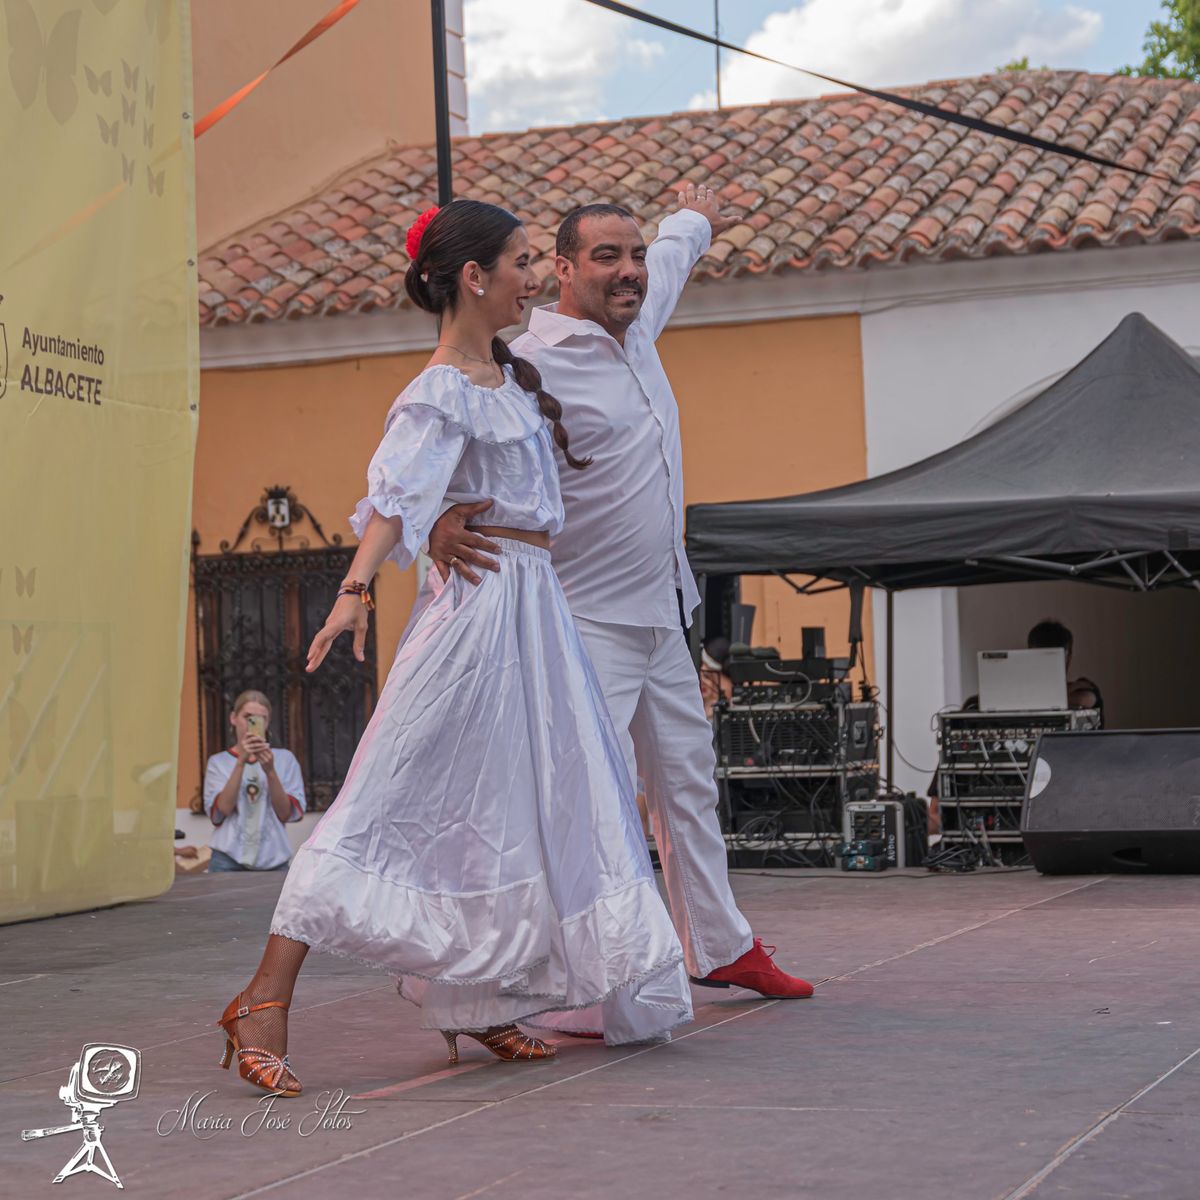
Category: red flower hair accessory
[416,230]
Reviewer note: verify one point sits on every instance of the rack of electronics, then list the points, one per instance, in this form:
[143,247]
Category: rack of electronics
[794,751]
[982,776]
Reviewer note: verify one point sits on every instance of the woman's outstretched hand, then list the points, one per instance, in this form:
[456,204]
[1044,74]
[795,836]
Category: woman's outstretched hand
[349,614]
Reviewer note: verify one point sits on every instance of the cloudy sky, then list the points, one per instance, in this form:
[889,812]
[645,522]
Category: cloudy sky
[553,62]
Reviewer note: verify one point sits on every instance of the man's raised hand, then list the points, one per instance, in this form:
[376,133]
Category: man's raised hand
[453,546]
[704,201]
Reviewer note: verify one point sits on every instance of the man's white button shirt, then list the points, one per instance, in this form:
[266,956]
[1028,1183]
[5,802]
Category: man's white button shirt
[620,555]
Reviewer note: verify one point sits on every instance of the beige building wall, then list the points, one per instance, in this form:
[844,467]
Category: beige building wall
[767,409]
[367,81]
[773,408]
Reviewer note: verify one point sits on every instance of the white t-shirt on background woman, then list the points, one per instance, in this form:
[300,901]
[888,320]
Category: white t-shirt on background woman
[252,834]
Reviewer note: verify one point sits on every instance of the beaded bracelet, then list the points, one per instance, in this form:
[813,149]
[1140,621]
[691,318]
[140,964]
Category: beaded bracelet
[351,587]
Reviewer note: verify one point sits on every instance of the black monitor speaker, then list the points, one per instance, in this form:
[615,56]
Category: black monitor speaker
[812,641]
[1126,801]
[742,622]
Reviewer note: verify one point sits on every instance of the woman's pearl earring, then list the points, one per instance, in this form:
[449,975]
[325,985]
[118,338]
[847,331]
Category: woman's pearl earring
[479,291]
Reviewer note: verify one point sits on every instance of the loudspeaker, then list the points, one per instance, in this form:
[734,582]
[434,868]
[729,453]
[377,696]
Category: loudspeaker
[1115,801]
[742,622]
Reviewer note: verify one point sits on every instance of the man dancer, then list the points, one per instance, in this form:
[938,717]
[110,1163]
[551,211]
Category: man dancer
[620,556]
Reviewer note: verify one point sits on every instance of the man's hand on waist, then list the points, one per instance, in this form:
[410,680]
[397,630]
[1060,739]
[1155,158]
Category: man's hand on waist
[452,546]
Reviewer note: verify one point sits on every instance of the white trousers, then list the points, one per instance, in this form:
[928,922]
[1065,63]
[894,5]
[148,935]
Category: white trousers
[653,695]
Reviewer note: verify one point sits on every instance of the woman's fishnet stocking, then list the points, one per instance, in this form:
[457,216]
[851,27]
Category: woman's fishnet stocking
[275,979]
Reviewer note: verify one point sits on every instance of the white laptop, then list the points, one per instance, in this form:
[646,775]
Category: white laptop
[1022,680]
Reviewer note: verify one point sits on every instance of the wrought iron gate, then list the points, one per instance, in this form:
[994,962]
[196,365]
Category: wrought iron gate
[256,614]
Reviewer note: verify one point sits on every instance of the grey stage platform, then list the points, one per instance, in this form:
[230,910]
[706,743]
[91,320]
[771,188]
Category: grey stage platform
[990,1035]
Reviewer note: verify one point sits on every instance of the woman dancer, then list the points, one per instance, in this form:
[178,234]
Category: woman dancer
[486,845]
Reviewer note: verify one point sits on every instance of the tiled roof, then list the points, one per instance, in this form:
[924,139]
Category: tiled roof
[843,181]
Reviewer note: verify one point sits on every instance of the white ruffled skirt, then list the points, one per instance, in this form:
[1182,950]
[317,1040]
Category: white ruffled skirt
[486,845]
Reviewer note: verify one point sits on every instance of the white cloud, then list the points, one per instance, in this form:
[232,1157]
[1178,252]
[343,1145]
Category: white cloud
[882,42]
[543,62]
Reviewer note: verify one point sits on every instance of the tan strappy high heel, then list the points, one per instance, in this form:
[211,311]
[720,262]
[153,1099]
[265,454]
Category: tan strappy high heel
[259,1067]
[506,1042]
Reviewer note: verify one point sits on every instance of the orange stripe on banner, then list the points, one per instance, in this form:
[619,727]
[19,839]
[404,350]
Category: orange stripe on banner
[326,23]
[84,214]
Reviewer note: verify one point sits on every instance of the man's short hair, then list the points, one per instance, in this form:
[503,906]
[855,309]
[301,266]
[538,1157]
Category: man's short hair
[1050,635]
[567,242]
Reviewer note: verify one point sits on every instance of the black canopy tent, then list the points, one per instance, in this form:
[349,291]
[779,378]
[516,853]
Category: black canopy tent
[1097,479]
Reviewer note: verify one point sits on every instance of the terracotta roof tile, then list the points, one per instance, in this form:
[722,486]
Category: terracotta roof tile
[840,182]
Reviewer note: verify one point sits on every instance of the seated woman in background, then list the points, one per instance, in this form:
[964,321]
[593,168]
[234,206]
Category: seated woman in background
[250,792]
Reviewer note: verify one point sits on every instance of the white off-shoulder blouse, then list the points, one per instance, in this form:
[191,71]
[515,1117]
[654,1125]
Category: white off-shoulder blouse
[447,438]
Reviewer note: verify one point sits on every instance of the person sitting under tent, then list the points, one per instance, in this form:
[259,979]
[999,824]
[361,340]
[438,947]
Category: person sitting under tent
[715,684]
[1081,693]
[1054,635]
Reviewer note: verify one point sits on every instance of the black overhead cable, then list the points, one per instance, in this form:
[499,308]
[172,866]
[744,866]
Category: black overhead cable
[717,39]
[929,110]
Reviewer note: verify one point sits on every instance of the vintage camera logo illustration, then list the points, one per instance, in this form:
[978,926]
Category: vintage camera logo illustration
[105,1075]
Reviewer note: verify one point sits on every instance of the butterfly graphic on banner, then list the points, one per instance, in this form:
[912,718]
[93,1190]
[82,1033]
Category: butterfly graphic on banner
[108,132]
[127,165]
[33,54]
[98,83]
[148,135]
[131,76]
[26,581]
[149,96]
[155,181]
[158,17]
[22,640]
[128,110]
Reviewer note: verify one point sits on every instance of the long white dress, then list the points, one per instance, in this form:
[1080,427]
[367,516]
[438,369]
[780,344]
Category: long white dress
[486,845]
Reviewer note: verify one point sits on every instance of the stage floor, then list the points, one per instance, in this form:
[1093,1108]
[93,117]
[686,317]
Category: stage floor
[995,1035]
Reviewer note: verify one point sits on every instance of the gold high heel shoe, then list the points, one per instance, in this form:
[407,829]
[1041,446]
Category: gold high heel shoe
[506,1042]
[259,1067]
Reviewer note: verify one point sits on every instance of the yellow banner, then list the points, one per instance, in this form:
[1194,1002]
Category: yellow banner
[98,399]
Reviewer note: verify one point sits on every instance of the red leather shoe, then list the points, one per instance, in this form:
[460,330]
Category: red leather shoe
[756,971]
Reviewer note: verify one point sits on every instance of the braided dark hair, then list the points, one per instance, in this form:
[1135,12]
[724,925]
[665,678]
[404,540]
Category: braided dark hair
[530,378]
[471,231]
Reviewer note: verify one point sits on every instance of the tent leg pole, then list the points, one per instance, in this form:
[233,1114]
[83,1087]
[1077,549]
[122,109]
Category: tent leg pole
[695,632]
[891,688]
